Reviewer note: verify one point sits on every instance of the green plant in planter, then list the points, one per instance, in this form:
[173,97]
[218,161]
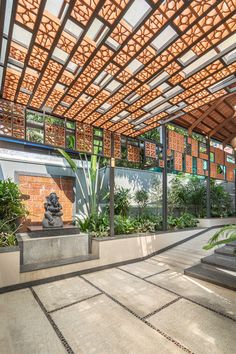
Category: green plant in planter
[225,235]
[184,221]
[141,198]
[95,225]
[125,225]
[122,201]
[12,209]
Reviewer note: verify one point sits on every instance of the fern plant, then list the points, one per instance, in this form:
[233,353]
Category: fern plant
[225,235]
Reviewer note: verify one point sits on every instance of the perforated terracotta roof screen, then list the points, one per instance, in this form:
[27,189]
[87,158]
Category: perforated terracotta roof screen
[118,64]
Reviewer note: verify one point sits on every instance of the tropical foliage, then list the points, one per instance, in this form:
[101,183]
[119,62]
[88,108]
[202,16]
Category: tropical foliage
[189,194]
[225,235]
[12,209]
[91,190]
[141,198]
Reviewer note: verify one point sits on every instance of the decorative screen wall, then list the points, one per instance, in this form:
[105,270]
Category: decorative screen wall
[188,157]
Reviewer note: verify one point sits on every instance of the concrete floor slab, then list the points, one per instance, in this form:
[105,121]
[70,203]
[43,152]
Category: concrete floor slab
[64,292]
[144,269]
[199,329]
[204,293]
[136,294]
[99,325]
[24,328]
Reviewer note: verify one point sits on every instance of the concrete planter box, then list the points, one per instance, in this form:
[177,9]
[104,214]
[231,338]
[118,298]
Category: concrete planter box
[137,246]
[209,222]
[9,266]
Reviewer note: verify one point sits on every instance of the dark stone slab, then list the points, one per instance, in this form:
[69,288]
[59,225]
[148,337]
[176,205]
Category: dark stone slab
[221,261]
[60,262]
[231,244]
[39,231]
[227,251]
[212,275]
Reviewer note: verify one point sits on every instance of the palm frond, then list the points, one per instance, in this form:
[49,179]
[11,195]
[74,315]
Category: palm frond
[225,235]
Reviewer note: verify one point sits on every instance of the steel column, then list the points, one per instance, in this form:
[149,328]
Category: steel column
[164,180]
[112,186]
[208,206]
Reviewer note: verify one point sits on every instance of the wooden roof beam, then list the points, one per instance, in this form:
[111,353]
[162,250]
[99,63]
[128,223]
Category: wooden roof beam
[208,111]
[227,140]
[222,124]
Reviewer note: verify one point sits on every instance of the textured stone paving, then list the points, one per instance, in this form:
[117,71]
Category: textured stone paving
[140,308]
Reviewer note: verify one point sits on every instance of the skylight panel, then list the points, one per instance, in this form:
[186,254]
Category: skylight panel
[21,36]
[105,106]
[105,80]
[1,72]
[60,55]
[133,97]
[112,43]
[54,7]
[172,109]
[174,91]
[229,42]
[198,64]
[154,103]
[161,108]
[221,84]
[73,29]
[230,57]
[163,87]
[72,67]
[113,85]
[115,119]
[99,78]
[187,57]
[3,51]
[60,87]
[14,67]
[142,119]
[7,18]
[135,65]
[94,29]
[164,38]
[123,114]
[137,11]
[158,79]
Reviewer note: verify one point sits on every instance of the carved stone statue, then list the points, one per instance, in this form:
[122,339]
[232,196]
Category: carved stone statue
[53,213]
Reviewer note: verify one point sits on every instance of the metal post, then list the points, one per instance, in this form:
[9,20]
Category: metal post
[164,179]
[208,177]
[112,186]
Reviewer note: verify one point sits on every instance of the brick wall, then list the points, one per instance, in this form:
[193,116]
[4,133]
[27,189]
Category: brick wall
[36,188]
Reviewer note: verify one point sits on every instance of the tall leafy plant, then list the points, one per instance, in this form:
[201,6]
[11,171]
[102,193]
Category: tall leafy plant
[12,209]
[122,201]
[90,192]
[141,198]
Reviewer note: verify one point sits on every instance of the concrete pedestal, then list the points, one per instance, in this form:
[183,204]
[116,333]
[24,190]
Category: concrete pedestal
[52,248]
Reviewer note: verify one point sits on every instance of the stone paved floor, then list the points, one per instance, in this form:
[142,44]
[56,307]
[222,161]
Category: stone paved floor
[140,308]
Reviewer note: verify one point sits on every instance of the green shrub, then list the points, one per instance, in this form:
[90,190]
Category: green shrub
[122,201]
[97,226]
[12,209]
[185,221]
[141,198]
[125,225]
[11,205]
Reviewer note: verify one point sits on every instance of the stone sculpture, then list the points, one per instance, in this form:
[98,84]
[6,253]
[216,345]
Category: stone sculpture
[53,212]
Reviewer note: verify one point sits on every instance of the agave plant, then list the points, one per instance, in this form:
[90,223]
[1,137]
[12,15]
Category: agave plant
[225,235]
